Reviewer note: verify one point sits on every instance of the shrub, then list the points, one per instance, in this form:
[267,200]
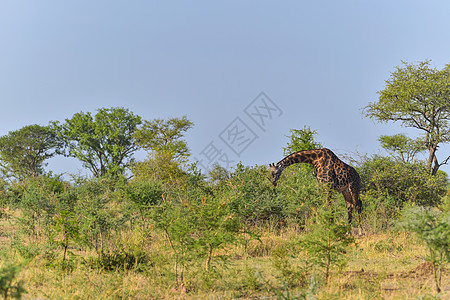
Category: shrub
[252,196]
[407,182]
[9,287]
[121,260]
[37,197]
[196,224]
[433,228]
[98,212]
[328,241]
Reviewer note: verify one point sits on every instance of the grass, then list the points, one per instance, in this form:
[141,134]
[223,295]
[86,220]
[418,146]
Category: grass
[385,265]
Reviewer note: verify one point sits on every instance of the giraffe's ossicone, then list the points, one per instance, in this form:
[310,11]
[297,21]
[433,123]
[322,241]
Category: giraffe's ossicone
[329,170]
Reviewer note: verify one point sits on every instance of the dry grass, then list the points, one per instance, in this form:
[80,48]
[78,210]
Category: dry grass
[382,266]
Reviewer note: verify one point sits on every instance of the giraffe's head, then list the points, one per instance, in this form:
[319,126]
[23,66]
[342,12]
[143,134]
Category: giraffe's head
[275,171]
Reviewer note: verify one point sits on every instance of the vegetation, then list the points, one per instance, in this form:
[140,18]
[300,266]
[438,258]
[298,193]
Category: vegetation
[23,152]
[170,231]
[417,95]
[433,228]
[104,143]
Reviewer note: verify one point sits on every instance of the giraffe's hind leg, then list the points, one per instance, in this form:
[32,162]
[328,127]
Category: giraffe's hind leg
[358,204]
[349,201]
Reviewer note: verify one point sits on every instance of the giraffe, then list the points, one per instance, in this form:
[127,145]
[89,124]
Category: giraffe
[329,169]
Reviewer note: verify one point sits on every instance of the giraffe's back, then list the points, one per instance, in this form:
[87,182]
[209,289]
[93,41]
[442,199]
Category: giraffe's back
[338,173]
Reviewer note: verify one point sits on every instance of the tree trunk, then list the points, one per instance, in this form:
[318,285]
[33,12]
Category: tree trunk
[432,163]
[431,156]
[435,166]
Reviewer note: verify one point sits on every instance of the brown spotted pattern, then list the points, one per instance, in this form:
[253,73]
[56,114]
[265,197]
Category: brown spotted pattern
[329,170]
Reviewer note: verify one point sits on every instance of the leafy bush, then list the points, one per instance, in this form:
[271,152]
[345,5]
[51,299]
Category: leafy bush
[121,260]
[406,182]
[252,196]
[144,193]
[9,287]
[196,223]
[99,214]
[37,197]
[291,275]
[433,228]
[379,212]
[301,194]
[144,196]
[255,200]
[328,241]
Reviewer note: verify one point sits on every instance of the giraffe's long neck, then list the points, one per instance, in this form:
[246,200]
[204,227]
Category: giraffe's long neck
[306,156]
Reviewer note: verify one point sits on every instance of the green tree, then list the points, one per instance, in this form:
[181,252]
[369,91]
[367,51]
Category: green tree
[328,241]
[402,146]
[104,143]
[165,136]
[405,182]
[417,96]
[168,151]
[301,139]
[23,152]
[433,228]
[9,285]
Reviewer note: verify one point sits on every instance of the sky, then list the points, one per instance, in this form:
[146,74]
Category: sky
[244,72]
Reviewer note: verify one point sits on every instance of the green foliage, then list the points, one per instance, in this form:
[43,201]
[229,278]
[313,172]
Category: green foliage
[196,224]
[38,198]
[104,142]
[9,286]
[292,276]
[165,136]
[301,194]
[328,241]
[252,196]
[403,146]
[256,202]
[405,182]
[143,193]
[66,231]
[160,167]
[417,96]
[168,152]
[433,228]
[98,214]
[121,260]
[301,139]
[23,152]
[218,175]
[380,210]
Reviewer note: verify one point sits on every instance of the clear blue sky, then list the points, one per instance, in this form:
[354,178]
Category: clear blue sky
[320,62]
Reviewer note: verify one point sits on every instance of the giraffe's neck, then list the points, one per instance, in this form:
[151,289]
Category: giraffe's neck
[306,156]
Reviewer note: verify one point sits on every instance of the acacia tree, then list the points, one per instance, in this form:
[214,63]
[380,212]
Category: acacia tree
[168,151]
[23,152]
[405,148]
[417,96]
[104,143]
[301,139]
[161,135]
